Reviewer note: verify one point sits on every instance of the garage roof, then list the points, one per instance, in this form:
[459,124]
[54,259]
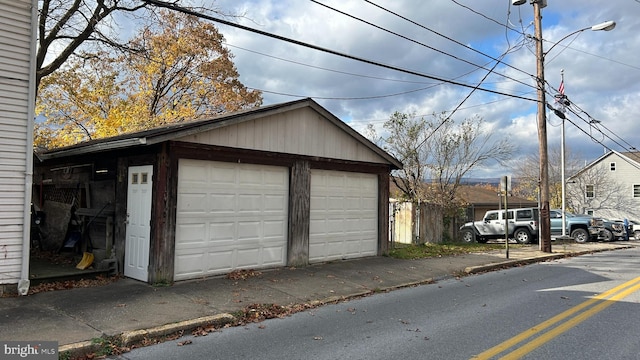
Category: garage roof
[178,130]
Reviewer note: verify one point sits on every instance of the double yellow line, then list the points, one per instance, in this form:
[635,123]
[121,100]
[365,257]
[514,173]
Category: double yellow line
[603,301]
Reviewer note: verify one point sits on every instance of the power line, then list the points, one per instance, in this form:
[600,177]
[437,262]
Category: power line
[345,73]
[593,123]
[597,123]
[352,57]
[453,40]
[346,98]
[326,69]
[415,41]
[329,51]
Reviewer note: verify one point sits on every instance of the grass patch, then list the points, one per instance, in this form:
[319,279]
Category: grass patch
[411,252]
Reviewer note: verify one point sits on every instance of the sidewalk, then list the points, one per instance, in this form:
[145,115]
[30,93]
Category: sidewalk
[132,309]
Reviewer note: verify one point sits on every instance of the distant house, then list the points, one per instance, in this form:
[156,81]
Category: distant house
[17,94]
[281,185]
[607,187]
[481,199]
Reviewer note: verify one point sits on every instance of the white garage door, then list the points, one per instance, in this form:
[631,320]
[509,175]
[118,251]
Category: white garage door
[344,215]
[229,216]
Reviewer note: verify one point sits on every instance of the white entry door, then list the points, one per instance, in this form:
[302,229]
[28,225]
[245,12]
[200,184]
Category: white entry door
[136,255]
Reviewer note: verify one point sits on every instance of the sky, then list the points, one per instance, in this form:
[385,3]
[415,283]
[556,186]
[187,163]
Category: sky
[456,41]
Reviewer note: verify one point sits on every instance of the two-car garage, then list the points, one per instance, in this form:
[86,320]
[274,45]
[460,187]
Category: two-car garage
[281,185]
[234,216]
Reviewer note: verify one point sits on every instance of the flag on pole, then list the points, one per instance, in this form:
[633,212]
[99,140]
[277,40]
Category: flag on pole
[561,88]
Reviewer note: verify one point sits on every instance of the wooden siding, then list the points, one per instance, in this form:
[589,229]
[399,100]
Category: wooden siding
[15,49]
[302,132]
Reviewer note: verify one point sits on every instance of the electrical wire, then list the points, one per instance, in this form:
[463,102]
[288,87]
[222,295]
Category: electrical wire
[329,51]
[327,69]
[415,41]
[452,40]
[456,108]
[371,62]
[592,122]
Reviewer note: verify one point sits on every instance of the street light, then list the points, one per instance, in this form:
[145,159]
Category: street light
[606,26]
[545,221]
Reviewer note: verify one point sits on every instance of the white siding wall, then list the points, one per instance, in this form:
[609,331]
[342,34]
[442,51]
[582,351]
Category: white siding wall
[15,102]
[626,174]
[302,131]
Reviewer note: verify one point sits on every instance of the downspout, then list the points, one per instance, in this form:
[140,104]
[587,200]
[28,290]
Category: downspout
[23,284]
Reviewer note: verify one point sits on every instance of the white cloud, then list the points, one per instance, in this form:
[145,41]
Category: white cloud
[601,72]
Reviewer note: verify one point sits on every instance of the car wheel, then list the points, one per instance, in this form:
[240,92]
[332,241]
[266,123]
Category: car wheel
[522,236]
[607,235]
[468,236]
[580,235]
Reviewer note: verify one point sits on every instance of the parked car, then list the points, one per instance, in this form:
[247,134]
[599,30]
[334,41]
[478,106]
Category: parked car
[581,228]
[523,227]
[613,229]
[634,229]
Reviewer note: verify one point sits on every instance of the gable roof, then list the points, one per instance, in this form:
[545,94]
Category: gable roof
[480,196]
[632,158]
[182,129]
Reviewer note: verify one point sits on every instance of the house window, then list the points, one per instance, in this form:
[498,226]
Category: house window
[134,178]
[612,166]
[636,190]
[589,191]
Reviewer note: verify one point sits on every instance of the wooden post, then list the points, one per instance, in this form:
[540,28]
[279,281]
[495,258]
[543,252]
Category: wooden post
[299,214]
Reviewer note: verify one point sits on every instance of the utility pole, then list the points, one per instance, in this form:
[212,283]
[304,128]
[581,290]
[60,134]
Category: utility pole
[545,221]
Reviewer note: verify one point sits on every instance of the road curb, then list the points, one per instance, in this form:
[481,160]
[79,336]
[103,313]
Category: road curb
[130,338]
[534,259]
[512,263]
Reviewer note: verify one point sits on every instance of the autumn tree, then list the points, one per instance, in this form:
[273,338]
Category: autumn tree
[66,27]
[80,102]
[178,70]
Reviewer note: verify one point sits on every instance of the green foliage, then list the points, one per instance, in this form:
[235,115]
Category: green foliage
[162,283]
[109,345]
[428,250]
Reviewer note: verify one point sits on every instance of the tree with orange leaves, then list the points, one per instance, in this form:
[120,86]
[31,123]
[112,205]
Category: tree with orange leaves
[178,70]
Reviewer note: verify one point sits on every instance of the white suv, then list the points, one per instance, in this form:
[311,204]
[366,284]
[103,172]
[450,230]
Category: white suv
[523,226]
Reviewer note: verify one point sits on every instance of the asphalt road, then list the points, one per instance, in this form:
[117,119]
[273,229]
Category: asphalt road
[584,307]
